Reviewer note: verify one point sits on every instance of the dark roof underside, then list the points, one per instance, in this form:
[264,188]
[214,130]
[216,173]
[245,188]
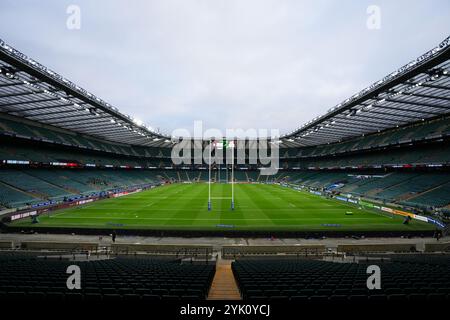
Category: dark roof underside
[418,91]
[32,91]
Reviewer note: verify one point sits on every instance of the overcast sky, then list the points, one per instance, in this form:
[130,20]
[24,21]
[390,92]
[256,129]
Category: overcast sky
[233,64]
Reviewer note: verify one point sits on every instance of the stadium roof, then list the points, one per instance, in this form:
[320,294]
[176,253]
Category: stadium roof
[417,91]
[31,90]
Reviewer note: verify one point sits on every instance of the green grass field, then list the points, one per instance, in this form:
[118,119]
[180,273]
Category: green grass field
[257,207]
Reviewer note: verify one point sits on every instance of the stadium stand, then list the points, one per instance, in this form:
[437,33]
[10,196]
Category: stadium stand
[346,160]
[240,176]
[382,150]
[10,197]
[12,126]
[430,130]
[253,176]
[436,197]
[418,188]
[119,279]
[319,281]
[389,143]
[30,186]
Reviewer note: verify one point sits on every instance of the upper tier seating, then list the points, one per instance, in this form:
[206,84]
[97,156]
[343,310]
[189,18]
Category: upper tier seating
[439,154]
[39,132]
[432,129]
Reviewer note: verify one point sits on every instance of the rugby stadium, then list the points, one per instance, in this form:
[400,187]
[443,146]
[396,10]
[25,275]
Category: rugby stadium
[366,183]
[380,156]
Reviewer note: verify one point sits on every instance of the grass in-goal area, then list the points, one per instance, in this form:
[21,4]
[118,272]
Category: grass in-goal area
[257,207]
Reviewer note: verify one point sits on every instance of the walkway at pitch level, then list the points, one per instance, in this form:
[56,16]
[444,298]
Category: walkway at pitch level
[224,286]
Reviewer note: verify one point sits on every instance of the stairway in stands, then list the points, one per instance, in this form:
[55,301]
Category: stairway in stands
[224,286]
[30,194]
[426,191]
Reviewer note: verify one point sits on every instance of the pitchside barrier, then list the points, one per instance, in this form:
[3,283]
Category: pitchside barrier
[173,249]
[379,207]
[238,251]
[437,247]
[392,211]
[366,248]
[50,245]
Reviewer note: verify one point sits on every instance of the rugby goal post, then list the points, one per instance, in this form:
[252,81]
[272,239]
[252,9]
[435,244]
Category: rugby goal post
[221,145]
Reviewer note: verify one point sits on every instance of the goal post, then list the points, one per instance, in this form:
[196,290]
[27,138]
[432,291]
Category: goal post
[209,176]
[222,145]
[232,174]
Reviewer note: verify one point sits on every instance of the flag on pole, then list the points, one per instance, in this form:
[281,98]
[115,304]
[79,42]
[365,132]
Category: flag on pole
[231,146]
[228,144]
[223,145]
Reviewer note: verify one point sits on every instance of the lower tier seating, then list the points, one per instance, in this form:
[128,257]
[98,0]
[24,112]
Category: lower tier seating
[419,189]
[312,280]
[109,280]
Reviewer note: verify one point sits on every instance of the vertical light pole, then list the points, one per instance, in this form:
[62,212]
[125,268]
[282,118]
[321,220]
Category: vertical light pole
[232,176]
[209,177]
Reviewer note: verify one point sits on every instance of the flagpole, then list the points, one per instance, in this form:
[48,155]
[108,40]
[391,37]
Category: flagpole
[209,178]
